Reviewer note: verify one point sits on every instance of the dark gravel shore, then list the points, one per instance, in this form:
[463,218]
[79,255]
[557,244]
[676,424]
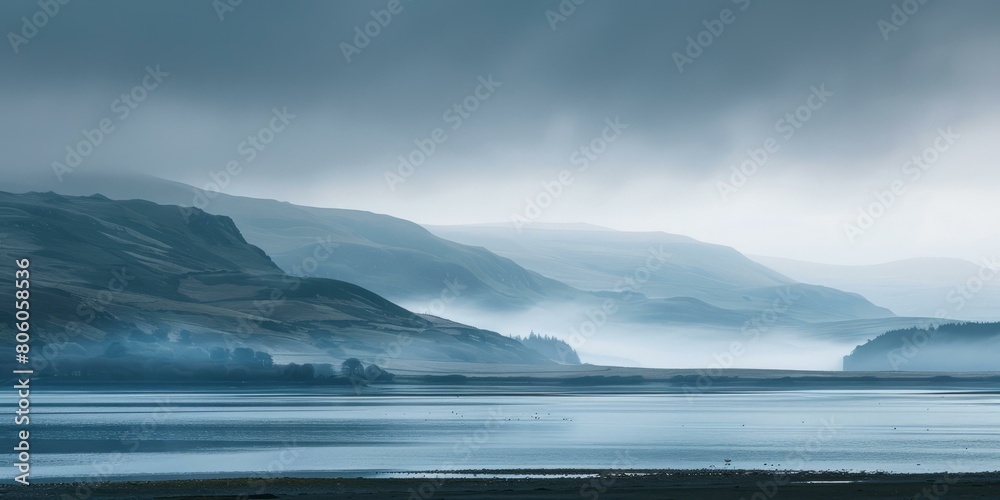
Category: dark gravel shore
[678,485]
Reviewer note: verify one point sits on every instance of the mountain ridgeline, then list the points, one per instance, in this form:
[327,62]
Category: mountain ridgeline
[650,299]
[677,267]
[119,285]
[913,287]
[495,268]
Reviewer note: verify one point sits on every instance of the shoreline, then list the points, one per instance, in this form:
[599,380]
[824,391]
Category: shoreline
[553,483]
[586,376]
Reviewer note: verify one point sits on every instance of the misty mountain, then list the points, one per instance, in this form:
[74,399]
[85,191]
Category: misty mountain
[694,282]
[657,299]
[662,266]
[946,348]
[914,287]
[390,256]
[137,276]
[404,261]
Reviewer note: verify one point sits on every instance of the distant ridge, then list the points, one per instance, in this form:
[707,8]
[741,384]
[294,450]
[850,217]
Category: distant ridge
[134,276]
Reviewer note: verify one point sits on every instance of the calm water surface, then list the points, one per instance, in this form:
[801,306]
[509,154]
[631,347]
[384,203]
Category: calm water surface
[404,429]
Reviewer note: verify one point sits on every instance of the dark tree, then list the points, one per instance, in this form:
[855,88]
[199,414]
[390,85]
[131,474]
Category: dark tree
[290,371]
[551,347]
[373,373]
[299,372]
[264,359]
[352,368]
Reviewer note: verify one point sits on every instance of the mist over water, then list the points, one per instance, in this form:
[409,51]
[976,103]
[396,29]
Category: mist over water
[616,343]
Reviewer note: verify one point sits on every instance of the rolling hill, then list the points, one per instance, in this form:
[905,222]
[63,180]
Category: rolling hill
[720,276]
[390,256]
[914,287]
[143,275]
[495,268]
[951,347]
[645,298]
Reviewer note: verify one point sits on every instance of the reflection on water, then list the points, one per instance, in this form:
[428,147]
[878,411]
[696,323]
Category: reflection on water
[406,429]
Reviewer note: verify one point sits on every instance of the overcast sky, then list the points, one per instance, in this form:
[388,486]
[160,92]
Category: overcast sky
[888,89]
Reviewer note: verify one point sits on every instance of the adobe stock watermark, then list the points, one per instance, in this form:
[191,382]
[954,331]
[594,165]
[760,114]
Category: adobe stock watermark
[798,459]
[31,25]
[752,329]
[223,7]
[962,293]
[938,490]
[628,286]
[450,293]
[698,43]
[901,14]
[957,298]
[911,172]
[463,451]
[786,127]
[455,116]
[121,108]
[562,12]
[392,351]
[595,487]
[87,310]
[582,157]
[277,468]
[247,150]
[364,34]
[249,322]
[87,487]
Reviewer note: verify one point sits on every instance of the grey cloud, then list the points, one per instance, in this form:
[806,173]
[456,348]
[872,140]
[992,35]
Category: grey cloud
[606,59]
